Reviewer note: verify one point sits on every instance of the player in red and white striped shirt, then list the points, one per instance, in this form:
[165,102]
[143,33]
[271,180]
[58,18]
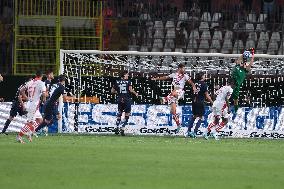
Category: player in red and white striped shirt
[36,90]
[180,78]
[220,110]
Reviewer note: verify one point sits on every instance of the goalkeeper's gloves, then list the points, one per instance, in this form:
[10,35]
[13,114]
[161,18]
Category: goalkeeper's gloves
[252,51]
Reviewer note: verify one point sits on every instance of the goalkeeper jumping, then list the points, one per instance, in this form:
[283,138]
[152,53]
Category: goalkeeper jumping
[240,72]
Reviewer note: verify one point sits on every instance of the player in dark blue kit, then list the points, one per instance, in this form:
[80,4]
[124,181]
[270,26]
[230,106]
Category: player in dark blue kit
[198,106]
[49,105]
[123,88]
[17,107]
[49,77]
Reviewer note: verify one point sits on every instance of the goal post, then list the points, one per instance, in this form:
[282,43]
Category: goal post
[91,72]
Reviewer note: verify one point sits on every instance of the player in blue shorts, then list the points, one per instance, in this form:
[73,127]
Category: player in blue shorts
[50,103]
[17,107]
[198,105]
[123,88]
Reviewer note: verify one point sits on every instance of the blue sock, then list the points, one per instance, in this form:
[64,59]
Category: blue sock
[190,125]
[197,125]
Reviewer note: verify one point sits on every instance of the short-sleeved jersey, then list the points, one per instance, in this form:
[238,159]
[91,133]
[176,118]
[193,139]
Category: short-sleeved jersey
[55,92]
[201,89]
[239,74]
[35,88]
[16,98]
[223,93]
[179,80]
[122,88]
[47,84]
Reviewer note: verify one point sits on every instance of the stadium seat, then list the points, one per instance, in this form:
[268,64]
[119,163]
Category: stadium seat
[261,46]
[215,20]
[275,36]
[171,34]
[217,35]
[204,26]
[132,47]
[158,24]
[192,44]
[206,35]
[228,35]
[264,36]
[262,18]
[169,43]
[281,50]
[249,27]
[159,34]
[238,45]
[167,49]
[251,18]
[206,17]
[145,16]
[253,36]
[227,45]
[203,46]
[250,43]
[215,44]
[158,43]
[144,49]
[213,50]
[183,16]
[194,34]
[272,47]
[260,27]
[170,24]
[156,49]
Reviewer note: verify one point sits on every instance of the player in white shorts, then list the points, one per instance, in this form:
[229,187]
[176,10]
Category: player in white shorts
[36,90]
[178,83]
[220,110]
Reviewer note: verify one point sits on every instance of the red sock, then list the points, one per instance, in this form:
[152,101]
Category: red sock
[221,125]
[176,118]
[210,126]
[25,129]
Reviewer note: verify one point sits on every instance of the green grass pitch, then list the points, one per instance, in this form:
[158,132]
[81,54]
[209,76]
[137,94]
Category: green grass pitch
[92,161]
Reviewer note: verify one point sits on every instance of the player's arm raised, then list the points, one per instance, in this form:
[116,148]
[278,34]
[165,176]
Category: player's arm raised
[239,60]
[132,91]
[248,68]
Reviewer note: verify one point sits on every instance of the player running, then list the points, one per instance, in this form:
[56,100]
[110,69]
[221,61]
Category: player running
[240,72]
[198,107]
[49,106]
[35,89]
[220,110]
[178,82]
[18,107]
[123,88]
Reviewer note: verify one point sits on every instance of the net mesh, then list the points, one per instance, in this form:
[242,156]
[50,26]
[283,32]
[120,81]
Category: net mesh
[92,73]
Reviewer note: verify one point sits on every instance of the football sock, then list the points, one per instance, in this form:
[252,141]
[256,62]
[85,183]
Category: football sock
[197,124]
[176,118]
[221,125]
[7,123]
[42,125]
[210,126]
[126,121]
[190,125]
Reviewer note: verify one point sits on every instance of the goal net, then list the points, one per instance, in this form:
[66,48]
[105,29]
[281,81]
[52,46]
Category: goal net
[92,72]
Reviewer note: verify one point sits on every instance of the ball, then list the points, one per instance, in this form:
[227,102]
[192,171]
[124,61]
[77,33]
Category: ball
[247,54]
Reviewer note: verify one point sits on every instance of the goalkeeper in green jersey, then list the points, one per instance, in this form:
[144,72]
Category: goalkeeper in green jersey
[239,73]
